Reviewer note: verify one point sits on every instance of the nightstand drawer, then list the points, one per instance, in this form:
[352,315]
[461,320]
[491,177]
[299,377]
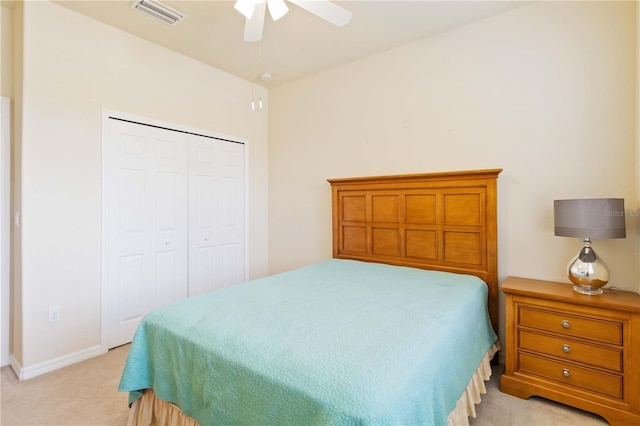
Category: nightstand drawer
[571,325]
[607,384]
[599,370]
[571,350]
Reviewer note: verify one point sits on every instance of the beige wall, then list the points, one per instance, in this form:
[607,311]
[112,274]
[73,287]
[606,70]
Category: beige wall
[74,67]
[546,92]
[6,52]
[638,123]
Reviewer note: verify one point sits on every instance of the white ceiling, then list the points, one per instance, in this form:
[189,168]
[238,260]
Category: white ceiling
[298,44]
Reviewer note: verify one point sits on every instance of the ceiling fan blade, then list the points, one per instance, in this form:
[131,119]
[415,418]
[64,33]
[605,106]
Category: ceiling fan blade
[245,7]
[337,15]
[253,27]
[277,9]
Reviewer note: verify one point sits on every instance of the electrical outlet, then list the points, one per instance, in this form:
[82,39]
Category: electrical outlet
[54,313]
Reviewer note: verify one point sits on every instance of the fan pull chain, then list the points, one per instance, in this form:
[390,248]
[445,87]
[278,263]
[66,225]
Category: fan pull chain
[253,68]
[253,103]
[259,97]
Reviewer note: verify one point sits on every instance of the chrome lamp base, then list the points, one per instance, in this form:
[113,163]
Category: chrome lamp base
[587,272]
[585,289]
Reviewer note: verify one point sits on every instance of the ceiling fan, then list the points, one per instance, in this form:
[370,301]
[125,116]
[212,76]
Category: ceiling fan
[254,11]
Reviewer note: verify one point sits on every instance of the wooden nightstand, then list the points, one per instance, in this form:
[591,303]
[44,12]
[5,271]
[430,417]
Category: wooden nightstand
[579,350]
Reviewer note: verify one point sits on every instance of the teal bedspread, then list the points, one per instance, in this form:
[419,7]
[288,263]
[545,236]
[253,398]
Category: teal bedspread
[337,342]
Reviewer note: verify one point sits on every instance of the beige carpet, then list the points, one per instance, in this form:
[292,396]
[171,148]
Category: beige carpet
[498,408]
[81,394]
[85,394]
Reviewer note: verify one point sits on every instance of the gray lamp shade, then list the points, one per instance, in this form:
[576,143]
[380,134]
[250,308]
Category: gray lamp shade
[589,218]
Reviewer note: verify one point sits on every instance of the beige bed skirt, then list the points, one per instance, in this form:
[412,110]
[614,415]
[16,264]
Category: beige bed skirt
[151,410]
[466,405]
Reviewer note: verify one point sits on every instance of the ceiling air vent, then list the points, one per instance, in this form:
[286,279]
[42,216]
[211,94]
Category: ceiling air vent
[159,11]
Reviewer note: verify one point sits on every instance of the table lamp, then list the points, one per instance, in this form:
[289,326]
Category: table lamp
[588,218]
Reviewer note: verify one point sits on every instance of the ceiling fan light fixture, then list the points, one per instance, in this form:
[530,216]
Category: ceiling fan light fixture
[277,9]
[245,7]
[254,24]
[327,10]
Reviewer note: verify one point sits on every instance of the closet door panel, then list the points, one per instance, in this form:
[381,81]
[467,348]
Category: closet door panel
[216,214]
[147,230]
[232,229]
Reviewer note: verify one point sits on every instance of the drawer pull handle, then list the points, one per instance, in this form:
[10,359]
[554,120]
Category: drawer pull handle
[565,324]
[566,372]
[566,349]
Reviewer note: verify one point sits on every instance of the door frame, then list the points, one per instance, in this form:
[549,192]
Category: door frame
[104,278]
[6,318]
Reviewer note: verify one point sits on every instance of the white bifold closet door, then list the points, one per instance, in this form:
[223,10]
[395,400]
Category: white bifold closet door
[216,216]
[175,220]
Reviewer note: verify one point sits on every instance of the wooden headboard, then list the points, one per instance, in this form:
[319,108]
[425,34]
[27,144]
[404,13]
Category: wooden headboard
[440,221]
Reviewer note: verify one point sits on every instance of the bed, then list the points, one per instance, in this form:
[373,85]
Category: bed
[397,328]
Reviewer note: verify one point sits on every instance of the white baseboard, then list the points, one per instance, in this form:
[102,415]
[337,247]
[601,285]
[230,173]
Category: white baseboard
[30,372]
[15,366]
